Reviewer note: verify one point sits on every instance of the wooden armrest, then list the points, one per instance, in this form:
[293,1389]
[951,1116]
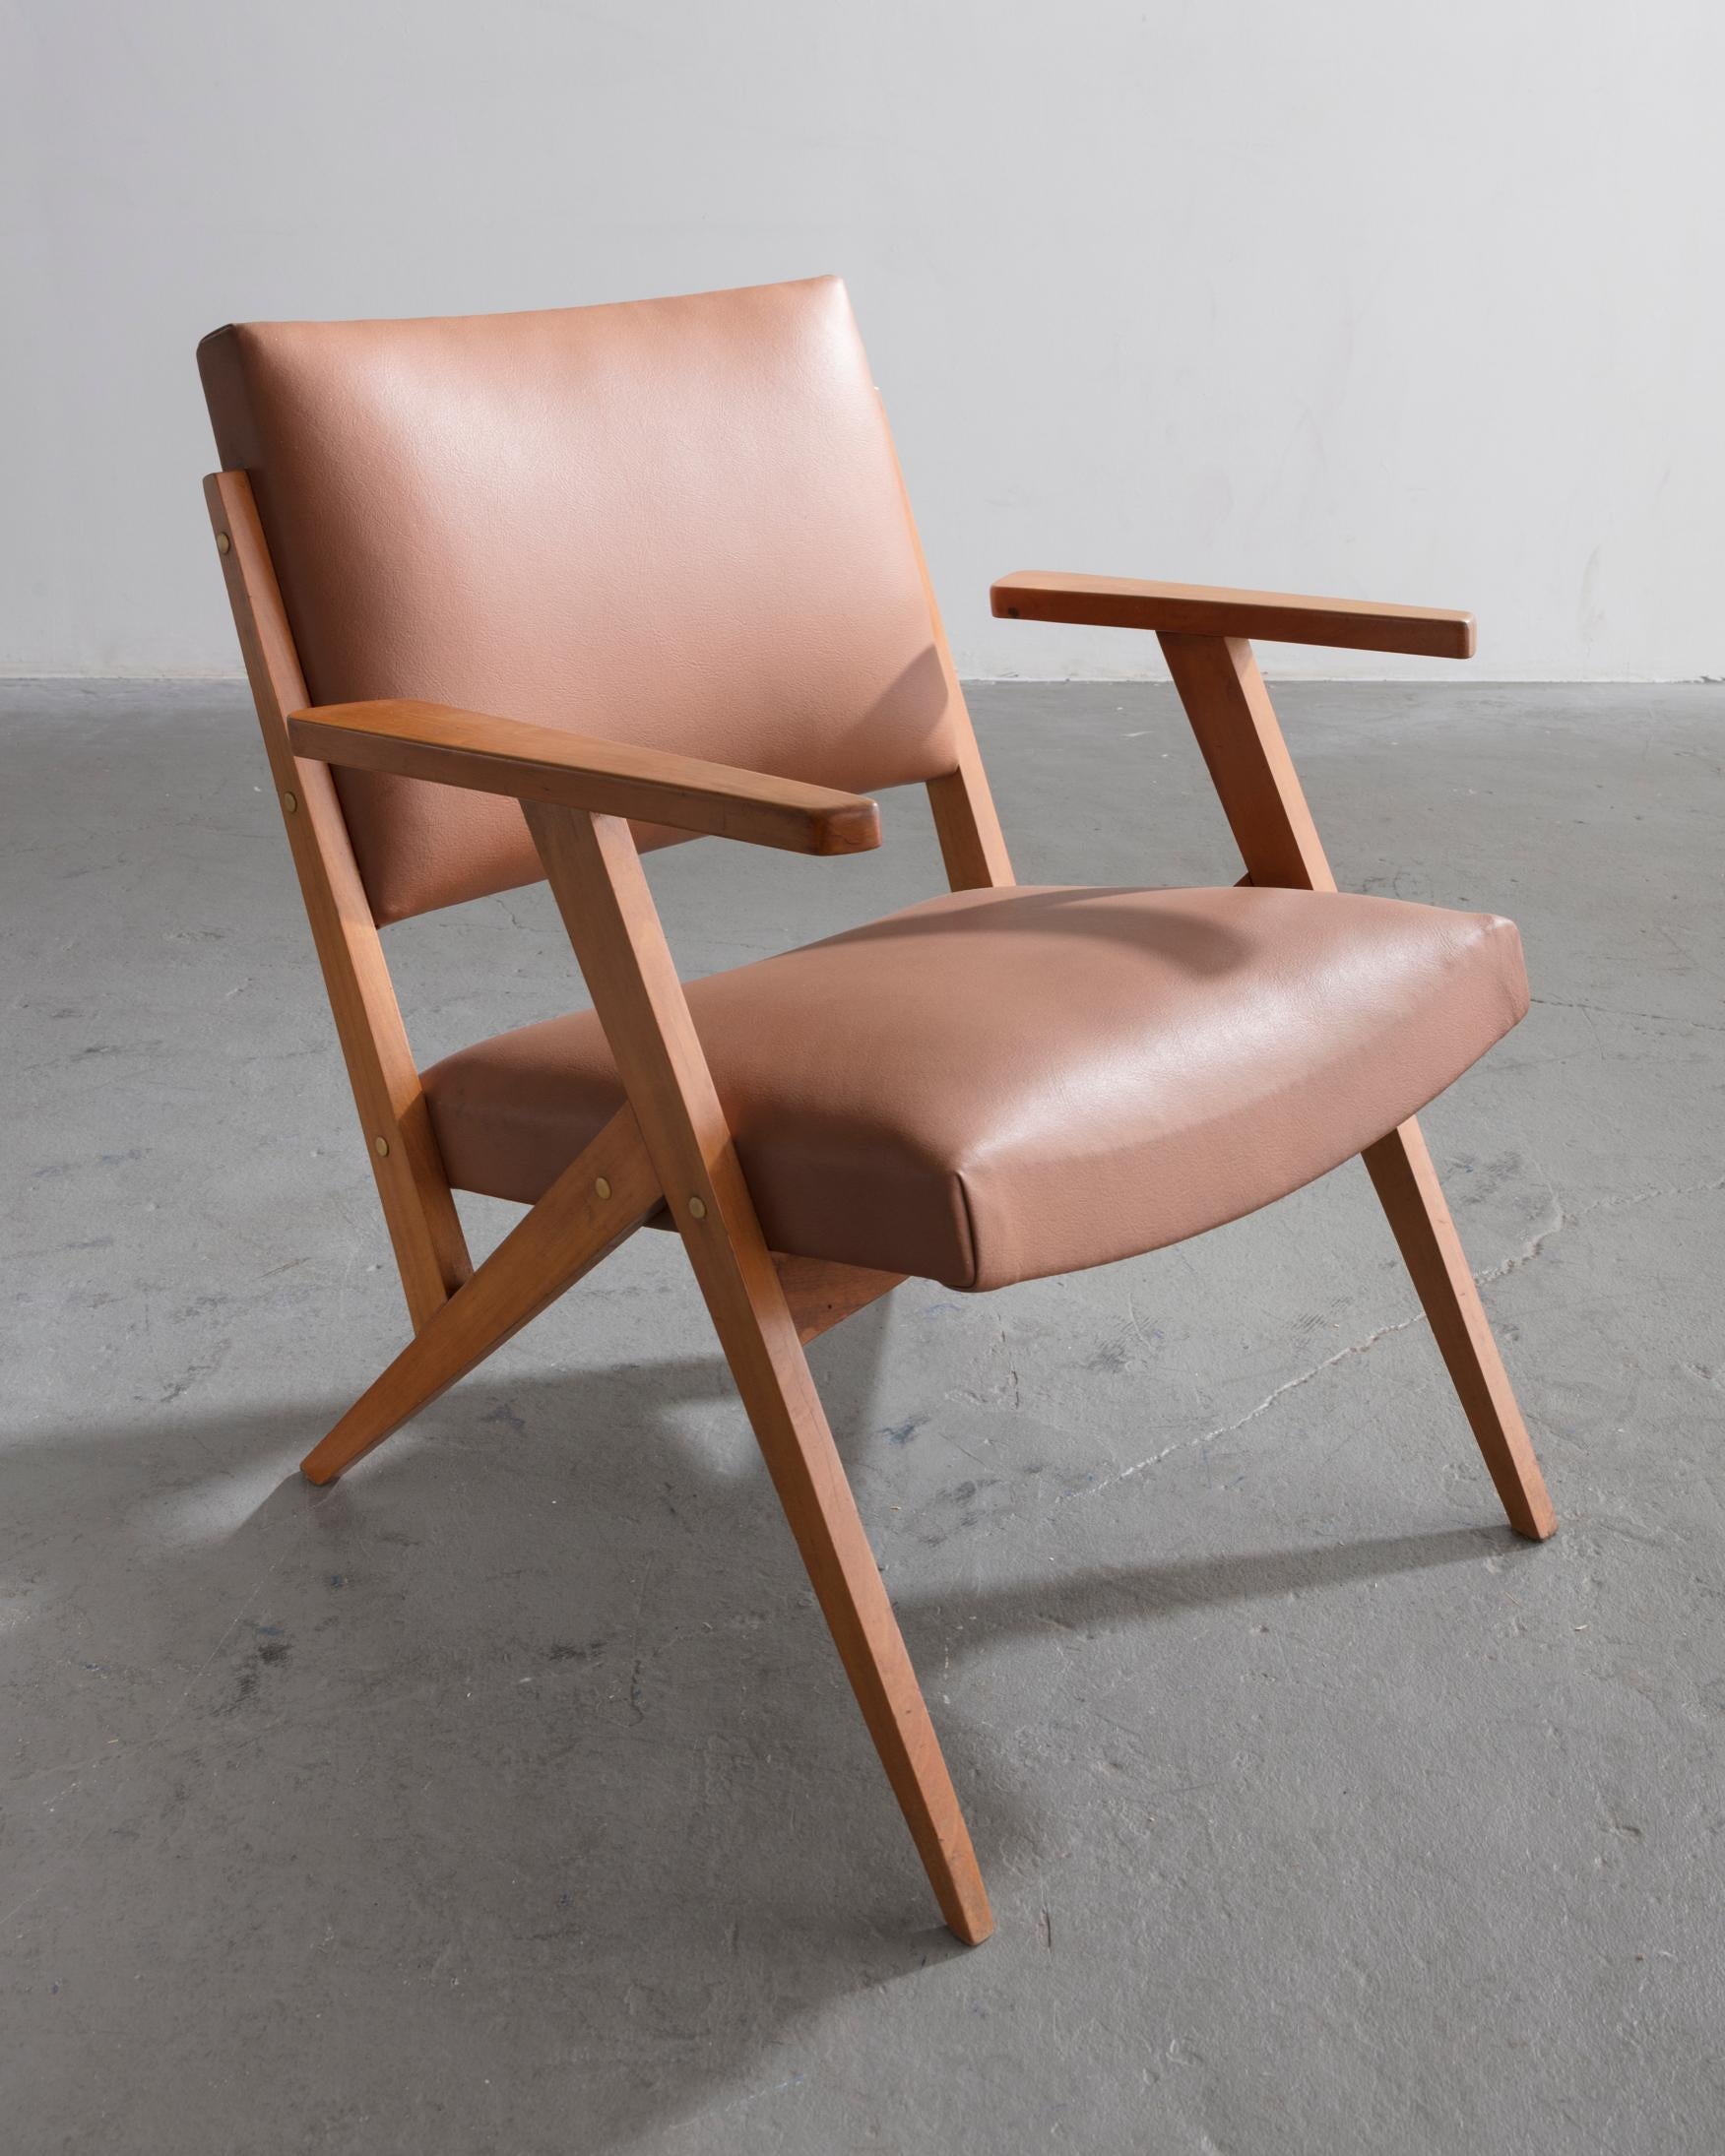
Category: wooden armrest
[468,748]
[1200,610]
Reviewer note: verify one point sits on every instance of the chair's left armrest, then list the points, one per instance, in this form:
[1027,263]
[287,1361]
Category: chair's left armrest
[1200,610]
[469,749]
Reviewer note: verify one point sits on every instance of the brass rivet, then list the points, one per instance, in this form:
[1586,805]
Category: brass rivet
[697,1209]
[222,543]
[290,801]
[382,1145]
[602,1187]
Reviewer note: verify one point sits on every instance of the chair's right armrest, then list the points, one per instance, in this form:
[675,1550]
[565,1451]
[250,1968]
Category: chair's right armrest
[1201,609]
[469,749]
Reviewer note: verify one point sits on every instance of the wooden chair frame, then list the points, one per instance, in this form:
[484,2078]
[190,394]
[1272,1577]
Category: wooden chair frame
[669,1147]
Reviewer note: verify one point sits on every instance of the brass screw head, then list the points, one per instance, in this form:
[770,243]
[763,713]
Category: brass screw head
[222,543]
[601,1188]
[290,801]
[382,1145]
[698,1208]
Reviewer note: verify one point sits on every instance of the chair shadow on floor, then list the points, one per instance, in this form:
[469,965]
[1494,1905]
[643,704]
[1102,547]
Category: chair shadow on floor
[688,1845]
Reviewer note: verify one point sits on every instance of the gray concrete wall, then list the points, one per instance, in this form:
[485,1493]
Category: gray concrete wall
[1402,302]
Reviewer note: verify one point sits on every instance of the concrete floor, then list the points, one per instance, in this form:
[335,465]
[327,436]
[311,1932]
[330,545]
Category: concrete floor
[1319,1814]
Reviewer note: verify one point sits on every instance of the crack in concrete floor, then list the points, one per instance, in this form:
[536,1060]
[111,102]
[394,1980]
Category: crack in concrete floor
[1531,1250]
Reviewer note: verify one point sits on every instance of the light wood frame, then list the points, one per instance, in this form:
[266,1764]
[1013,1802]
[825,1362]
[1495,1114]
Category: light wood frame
[667,1156]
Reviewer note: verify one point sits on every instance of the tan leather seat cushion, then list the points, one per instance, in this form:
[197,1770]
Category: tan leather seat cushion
[998,1085]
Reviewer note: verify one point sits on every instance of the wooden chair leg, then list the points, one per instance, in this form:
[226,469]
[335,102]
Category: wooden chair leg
[419,1210]
[1235,726]
[759,1338]
[601,892]
[600,1198]
[1406,1187]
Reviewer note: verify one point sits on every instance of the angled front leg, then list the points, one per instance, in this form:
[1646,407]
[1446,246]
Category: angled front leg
[600,1198]
[1412,1198]
[1235,726]
[595,875]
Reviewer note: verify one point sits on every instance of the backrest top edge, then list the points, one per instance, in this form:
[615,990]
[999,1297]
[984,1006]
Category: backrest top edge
[510,314]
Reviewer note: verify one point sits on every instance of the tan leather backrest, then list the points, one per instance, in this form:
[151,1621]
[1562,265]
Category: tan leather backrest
[677,522]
